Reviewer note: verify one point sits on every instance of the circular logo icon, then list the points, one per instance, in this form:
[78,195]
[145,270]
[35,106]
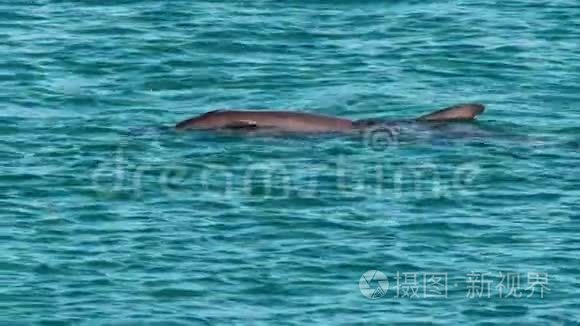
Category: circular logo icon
[373,284]
[381,136]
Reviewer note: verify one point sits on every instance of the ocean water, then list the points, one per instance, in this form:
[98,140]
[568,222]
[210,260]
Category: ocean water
[108,216]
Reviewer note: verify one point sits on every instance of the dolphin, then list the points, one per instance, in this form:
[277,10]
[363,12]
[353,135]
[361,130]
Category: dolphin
[309,123]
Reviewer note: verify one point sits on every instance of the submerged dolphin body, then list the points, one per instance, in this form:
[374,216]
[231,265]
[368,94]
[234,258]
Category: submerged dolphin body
[299,122]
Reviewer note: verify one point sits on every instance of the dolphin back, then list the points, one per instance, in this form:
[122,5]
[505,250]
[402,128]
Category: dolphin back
[460,112]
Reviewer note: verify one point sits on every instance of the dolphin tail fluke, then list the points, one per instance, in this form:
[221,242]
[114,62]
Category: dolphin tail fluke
[460,112]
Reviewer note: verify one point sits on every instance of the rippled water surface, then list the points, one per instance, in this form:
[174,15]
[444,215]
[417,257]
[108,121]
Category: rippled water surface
[109,216]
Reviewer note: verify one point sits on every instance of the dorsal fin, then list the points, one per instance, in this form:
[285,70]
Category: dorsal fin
[460,112]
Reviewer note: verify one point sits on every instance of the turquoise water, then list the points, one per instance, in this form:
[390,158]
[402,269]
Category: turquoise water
[108,216]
